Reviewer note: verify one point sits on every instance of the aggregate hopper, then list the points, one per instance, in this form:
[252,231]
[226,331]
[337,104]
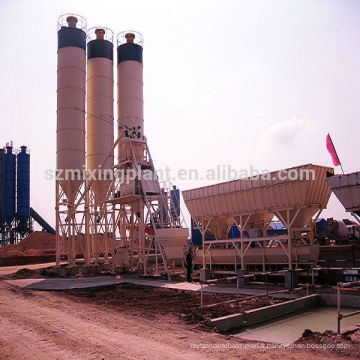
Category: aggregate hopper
[173,242]
[346,188]
[293,195]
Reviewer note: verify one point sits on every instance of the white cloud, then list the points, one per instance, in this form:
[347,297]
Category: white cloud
[286,132]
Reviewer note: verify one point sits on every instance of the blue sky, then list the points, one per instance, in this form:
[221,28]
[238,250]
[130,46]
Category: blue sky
[234,83]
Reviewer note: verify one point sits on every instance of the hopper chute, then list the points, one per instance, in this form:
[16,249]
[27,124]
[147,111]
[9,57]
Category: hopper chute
[251,204]
[346,188]
[261,199]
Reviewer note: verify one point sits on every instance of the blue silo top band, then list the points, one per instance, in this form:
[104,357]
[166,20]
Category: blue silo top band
[68,36]
[129,51]
[100,48]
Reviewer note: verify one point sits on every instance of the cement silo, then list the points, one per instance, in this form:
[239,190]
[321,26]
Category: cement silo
[1,186]
[130,84]
[23,189]
[100,108]
[71,73]
[9,186]
[70,204]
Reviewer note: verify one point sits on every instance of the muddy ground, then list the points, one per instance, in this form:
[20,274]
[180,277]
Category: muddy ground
[130,322]
[155,303]
[342,345]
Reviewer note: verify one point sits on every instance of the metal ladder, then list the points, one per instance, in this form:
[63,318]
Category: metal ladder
[160,206]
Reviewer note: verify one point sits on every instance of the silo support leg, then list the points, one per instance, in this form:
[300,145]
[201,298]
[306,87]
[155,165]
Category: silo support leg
[87,232]
[241,226]
[113,239]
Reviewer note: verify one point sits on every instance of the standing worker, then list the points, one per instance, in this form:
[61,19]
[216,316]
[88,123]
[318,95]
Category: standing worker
[189,266]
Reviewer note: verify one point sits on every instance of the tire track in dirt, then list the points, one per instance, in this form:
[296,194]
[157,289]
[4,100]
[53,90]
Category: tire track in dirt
[45,325]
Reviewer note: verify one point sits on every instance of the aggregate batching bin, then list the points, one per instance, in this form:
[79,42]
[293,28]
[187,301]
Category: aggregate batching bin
[346,188]
[261,199]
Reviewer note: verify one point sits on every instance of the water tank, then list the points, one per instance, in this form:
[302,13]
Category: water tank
[9,181]
[130,83]
[1,185]
[71,78]
[100,108]
[23,187]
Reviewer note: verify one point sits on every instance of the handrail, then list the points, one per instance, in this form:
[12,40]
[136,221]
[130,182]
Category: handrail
[341,316]
[250,275]
[253,297]
[238,277]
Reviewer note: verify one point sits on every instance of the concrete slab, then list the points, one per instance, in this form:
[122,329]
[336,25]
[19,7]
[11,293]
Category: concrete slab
[213,288]
[61,284]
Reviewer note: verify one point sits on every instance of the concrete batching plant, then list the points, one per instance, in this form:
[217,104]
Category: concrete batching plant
[102,217]
[136,222]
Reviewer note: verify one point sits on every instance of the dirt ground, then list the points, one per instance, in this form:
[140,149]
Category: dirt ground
[124,323]
[168,304]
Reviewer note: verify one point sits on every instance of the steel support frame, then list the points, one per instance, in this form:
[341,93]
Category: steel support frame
[71,225]
[241,221]
[101,230]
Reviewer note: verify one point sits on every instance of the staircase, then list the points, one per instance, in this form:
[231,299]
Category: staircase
[170,231]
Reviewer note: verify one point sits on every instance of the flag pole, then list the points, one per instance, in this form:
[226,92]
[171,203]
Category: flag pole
[336,154]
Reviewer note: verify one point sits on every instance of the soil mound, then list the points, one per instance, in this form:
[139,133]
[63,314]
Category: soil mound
[37,243]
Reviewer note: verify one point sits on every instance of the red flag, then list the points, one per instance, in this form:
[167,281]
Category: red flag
[331,148]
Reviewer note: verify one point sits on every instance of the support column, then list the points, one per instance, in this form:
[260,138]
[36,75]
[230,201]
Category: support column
[73,238]
[96,242]
[204,256]
[57,227]
[69,242]
[290,279]
[113,238]
[87,231]
[288,225]
[106,239]
[156,258]
[243,281]
[242,244]
[142,236]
